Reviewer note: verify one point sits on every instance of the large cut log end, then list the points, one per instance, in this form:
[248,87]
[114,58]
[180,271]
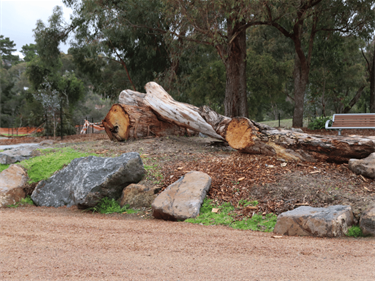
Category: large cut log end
[239,133]
[242,135]
[116,123]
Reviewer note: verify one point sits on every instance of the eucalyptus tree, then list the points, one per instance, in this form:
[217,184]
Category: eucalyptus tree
[103,37]
[221,24]
[304,19]
[6,50]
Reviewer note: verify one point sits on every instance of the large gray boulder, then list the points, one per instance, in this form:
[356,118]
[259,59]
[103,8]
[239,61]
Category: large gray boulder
[85,181]
[367,222]
[182,199]
[18,154]
[365,166]
[332,221]
[12,182]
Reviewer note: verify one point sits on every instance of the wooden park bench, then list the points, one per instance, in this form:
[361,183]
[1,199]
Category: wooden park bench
[351,121]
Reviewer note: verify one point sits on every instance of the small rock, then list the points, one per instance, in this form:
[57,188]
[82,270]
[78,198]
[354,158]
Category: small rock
[12,181]
[18,154]
[137,196]
[297,130]
[47,142]
[182,199]
[365,167]
[85,181]
[367,222]
[332,221]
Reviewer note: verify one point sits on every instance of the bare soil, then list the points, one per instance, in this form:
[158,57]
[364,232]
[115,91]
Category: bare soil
[38,243]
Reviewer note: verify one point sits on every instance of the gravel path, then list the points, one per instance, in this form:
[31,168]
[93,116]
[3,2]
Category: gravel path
[38,243]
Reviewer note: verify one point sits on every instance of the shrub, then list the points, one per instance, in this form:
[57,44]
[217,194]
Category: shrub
[354,231]
[110,206]
[318,122]
[24,201]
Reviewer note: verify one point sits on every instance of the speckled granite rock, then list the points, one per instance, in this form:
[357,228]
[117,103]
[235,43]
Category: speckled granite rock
[85,181]
[182,199]
[332,221]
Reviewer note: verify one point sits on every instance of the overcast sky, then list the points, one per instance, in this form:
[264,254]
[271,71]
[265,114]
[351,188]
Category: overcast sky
[18,19]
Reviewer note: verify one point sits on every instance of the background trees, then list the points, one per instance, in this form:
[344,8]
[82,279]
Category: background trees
[259,58]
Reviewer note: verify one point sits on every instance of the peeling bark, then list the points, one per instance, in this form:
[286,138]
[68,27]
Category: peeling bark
[166,116]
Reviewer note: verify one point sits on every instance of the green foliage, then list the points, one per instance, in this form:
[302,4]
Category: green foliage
[6,49]
[153,173]
[354,231]
[225,217]
[43,166]
[3,167]
[110,206]
[244,203]
[24,201]
[319,122]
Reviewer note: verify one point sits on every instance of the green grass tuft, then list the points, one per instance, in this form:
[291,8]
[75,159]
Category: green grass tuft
[110,206]
[24,201]
[43,166]
[3,167]
[225,216]
[354,231]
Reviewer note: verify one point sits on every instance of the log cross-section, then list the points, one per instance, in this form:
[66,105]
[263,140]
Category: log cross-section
[125,122]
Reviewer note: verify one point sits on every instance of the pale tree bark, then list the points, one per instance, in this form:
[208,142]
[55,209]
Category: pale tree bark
[241,133]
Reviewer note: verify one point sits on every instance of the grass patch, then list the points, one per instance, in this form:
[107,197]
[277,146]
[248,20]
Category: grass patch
[24,201]
[285,123]
[153,172]
[3,167]
[225,216]
[110,206]
[354,231]
[43,166]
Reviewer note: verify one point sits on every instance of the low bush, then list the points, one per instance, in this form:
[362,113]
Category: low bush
[110,206]
[354,231]
[225,216]
[24,201]
[318,122]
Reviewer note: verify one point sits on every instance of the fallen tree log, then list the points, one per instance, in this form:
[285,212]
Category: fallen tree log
[125,122]
[241,133]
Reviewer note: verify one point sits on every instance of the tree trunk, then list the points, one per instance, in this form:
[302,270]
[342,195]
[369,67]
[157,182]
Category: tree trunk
[235,64]
[354,99]
[125,121]
[301,77]
[372,83]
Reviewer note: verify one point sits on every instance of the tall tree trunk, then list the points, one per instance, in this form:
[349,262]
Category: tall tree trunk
[301,76]
[372,83]
[235,64]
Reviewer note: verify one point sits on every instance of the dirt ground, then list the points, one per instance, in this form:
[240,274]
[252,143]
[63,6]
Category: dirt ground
[39,243]
[65,243]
